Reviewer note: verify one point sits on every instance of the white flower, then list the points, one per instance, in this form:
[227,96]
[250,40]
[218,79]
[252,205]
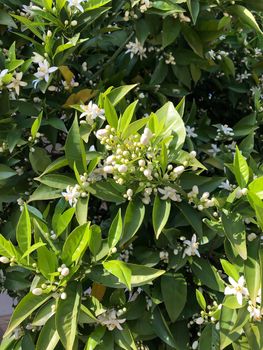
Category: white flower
[110,320]
[145,4]
[241,192]
[237,289]
[212,54]
[17,82]
[254,313]
[178,170]
[214,150]
[72,194]
[63,296]
[226,130]
[65,271]
[190,132]
[146,136]
[226,185]
[37,58]
[169,193]
[195,345]
[76,4]
[44,70]
[192,247]
[136,48]
[91,112]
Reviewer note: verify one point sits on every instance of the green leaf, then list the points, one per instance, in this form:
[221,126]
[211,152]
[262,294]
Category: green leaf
[47,262]
[243,317]
[120,270]
[230,269]
[124,338]
[228,318]
[241,169]
[127,116]
[235,232]
[6,172]
[39,160]
[48,337]
[110,113]
[6,19]
[172,124]
[207,274]
[174,292]
[193,39]
[74,148]
[256,186]
[24,309]
[245,16]
[56,181]
[32,249]
[160,216]
[7,249]
[67,315]
[209,339]
[116,95]
[64,220]
[161,328]
[133,219]
[252,270]
[254,335]
[95,337]
[76,244]
[82,207]
[193,6]
[36,125]
[168,35]
[192,217]
[23,230]
[95,239]
[44,192]
[200,299]
[57,164]
[134,127]
[115,230]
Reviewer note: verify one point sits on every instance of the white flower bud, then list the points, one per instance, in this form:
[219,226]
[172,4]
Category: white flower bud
[114,250]
[4,260]
[129,192]
[251,237]
[179,170]
[192,154]
[108,169]
[199,320]
[244,191]
[122,168]
[74,23]
[147,132]
[147,172]
[144,139]
[37,291]
[65,271]
[63,296]
[101,133]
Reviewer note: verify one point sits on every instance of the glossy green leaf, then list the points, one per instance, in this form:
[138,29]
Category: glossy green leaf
[23,230]
[48,337]
[121,270]
[235,232]
[241,169]
[174,292]
[25,308]
[160,216]
[76,244]
[115,230]
[133,219]
[67,315]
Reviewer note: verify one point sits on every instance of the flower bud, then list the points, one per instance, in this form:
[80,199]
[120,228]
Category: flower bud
[63,296]
[4,260]
[37,291]
[122,168]
[108,169]
[65,271]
